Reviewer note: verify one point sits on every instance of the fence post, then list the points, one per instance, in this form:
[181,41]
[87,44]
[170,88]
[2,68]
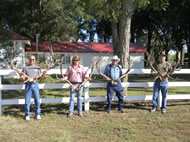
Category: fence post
[86,99]
[1,112]
[160,99]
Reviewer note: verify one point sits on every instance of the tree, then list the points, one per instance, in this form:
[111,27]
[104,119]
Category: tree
[162,29]
[52,19]
[119,13]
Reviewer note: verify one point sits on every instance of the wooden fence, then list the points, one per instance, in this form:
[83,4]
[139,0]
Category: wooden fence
[87,99]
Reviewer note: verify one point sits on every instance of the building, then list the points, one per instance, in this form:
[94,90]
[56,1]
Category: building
[87,52]
[6,42]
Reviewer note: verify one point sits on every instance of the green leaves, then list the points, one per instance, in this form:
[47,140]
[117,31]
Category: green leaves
[155,4]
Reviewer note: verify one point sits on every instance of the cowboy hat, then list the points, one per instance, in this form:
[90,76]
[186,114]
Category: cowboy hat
[162,53]
[115,58]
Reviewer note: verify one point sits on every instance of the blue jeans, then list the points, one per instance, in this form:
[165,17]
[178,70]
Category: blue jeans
[79,99]
[119,93]
[163,86]
[32,88]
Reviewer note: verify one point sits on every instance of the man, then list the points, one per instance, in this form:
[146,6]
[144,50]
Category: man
[114,71]
[31,87]
[162,68]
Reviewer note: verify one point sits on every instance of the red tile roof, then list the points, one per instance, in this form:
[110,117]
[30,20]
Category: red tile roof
[9,35]
[15,36]
[81,47]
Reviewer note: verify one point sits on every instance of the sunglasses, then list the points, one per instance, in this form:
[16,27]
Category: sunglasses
[31,59]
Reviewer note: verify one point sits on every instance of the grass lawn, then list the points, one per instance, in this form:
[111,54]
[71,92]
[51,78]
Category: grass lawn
[137,124]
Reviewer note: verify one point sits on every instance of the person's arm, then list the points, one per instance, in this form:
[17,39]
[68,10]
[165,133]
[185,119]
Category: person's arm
[22,76]
[154,72]
[166,71]
[87,77]
[106,72]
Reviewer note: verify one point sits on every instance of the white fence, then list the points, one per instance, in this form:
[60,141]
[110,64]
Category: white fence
[87,99]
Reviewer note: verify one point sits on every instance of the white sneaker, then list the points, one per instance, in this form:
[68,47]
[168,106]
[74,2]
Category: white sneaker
[38,117]
[163,111]
[27,118]
[153,110]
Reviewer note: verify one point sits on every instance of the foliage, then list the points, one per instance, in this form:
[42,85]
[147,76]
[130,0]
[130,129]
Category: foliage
[161,29]
[48,79]
[12,81]
[52,19]
[158,25]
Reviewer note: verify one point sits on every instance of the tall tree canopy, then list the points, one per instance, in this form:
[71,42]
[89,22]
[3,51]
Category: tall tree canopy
[52,19]
[156,24]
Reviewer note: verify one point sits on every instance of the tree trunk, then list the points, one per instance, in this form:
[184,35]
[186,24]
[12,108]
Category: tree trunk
[149,40]
[115,37]
[188,57]
[121,43]
[124,32]
[125,35]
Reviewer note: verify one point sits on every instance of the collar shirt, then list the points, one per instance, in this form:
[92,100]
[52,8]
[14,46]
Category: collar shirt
[75,74]
[113,72]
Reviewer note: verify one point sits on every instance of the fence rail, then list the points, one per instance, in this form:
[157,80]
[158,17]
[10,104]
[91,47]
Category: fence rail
[87,99]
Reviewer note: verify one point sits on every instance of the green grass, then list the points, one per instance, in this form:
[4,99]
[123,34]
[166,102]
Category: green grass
[58,93]
[137,124]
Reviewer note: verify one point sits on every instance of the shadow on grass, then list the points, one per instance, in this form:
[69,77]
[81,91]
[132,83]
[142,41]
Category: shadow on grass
[178,103]
[135,105]
[101,106]
[18,110]
[62,109]
[14,110]
[140,105]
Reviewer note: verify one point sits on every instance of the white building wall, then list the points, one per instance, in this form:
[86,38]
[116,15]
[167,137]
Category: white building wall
[20,57]
[137,59]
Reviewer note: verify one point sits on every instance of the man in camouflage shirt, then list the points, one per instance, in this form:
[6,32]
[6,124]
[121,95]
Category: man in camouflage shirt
[162,69]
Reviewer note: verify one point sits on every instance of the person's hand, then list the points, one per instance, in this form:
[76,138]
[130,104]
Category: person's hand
[154,72]
[20,73]
[172,72]
[31,80]
[45,71]
[163,74]
[89,78]
[22,76]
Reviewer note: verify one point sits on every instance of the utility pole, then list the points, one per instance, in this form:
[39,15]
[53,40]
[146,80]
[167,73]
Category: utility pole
[37,37]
